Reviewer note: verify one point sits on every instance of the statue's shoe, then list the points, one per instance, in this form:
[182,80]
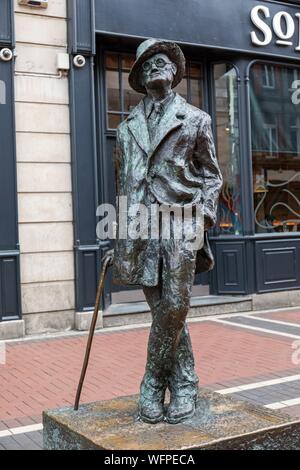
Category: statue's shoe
[181,408]
[151,410]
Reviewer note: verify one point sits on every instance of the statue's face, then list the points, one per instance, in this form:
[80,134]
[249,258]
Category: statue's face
[158,71]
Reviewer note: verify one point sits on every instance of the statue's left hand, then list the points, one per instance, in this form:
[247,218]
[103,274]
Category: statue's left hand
[109,254]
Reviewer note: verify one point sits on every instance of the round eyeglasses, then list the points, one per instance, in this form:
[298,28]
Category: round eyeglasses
[160,63]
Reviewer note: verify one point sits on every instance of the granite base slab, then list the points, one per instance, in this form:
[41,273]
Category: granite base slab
[220,422]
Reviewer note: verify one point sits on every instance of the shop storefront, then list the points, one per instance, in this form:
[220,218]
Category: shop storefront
[9,242]
[243,68]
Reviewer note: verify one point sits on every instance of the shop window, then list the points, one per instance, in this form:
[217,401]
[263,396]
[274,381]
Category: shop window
[121,99]
[294,78]
[275,152]
[228,148]
[268,77]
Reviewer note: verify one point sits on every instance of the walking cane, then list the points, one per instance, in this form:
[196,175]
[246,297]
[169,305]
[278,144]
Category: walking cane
[107,261]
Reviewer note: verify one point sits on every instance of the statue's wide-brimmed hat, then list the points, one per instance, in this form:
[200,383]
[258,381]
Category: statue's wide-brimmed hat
[147,49]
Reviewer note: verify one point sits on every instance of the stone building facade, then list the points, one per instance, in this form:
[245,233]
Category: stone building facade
[43,156]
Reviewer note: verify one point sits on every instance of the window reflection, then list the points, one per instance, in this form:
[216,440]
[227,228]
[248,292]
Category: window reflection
[113,90]
[191,86]
[2,92]
[112,61]
[182,88]
[127,61]
[228,148]
[268,76]
[275,150]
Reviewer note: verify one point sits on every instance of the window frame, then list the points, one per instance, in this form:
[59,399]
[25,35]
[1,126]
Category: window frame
[122,112]
[270,127]
[269,84]
[105,134]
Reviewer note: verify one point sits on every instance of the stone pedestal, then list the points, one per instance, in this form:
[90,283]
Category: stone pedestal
[220,422]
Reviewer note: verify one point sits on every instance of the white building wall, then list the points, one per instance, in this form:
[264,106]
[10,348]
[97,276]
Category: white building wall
[44,169]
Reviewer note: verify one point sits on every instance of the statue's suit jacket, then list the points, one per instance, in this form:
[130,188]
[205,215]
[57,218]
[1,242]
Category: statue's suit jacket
[178,167]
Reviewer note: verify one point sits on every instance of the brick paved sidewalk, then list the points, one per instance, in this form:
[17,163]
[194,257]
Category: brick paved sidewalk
[44,373]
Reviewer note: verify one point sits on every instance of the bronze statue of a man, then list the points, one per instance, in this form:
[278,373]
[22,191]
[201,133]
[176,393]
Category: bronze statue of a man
[165,156]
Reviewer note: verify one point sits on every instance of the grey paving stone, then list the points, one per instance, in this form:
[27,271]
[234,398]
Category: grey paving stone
[37,438]
[272,393]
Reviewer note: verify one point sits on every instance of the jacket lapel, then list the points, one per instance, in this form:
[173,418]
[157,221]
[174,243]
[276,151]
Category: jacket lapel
[137,125]
[172,119]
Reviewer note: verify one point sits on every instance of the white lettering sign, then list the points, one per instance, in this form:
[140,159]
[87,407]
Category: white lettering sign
[282,28]
[2,353]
